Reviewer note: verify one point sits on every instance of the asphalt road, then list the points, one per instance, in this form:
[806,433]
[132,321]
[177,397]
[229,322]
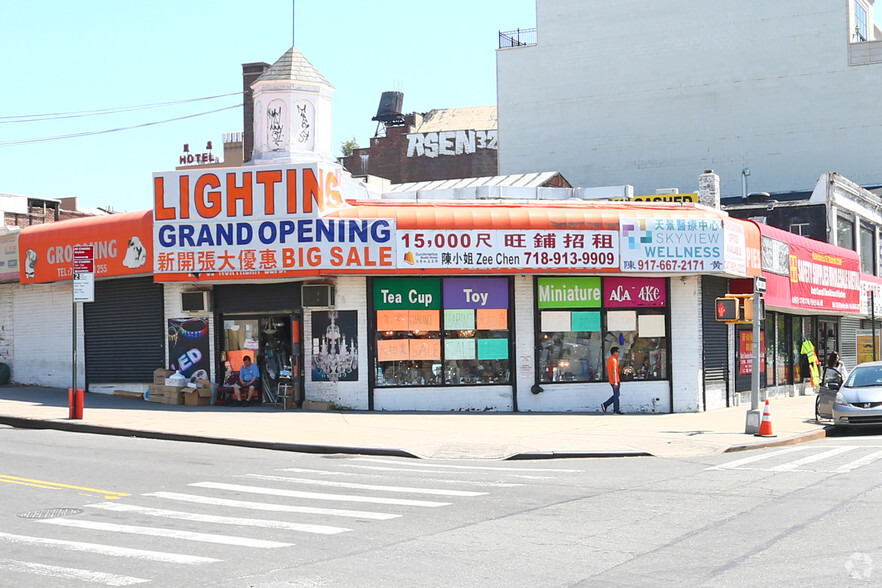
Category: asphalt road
[82,510]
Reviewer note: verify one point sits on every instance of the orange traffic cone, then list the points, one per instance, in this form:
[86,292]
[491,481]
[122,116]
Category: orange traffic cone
[765,429]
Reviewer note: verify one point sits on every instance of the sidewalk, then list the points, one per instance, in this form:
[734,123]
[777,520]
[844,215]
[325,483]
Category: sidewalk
[424,435]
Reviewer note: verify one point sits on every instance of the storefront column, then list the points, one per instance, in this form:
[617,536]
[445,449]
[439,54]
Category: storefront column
[686,343]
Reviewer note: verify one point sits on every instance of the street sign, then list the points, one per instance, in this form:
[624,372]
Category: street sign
[84,287]
[84,273]
[759,284]
[84,259]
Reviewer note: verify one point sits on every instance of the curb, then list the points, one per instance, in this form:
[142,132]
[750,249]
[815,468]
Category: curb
[801,438]
[71,427]
[535,455]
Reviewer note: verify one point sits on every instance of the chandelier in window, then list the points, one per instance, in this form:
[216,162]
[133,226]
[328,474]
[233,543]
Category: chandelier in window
[334,355]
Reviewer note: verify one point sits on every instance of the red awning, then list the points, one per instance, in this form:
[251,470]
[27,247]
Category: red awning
[818,277]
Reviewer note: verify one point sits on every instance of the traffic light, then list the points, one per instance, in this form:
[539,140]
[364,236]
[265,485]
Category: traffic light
[747,311]
[727,309]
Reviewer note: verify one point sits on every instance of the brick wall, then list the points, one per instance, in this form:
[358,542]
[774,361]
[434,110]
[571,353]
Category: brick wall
[387,158]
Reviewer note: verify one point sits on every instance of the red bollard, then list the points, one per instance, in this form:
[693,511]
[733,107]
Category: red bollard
[75,403]
[81,397]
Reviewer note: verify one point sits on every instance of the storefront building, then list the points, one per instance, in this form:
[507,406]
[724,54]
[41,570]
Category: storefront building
[814,295]
[373,303]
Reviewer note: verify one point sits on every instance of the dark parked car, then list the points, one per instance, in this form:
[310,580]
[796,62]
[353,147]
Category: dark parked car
[855,399]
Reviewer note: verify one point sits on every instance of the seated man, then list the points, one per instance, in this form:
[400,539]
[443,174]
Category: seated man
[249,378]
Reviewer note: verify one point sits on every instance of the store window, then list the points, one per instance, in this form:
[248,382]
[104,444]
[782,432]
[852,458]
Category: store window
[796,340]
[769,348]
[803,229]
[442,331]
[581,318]
[868,249]
[783,360]
[845,232]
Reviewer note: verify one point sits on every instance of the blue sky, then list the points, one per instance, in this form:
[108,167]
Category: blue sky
[63,57]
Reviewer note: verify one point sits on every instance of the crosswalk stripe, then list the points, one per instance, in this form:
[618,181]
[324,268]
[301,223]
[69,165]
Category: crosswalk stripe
[263,506]
[391,469]
[754,458]
[434,481]
[316,495]
[354,486]
[464,467]
[223,520]
[793,465]
[862,461]
[111,550]
[86,576]
[171,533]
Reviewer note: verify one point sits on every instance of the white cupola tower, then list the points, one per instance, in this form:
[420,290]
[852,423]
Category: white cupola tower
[292,112]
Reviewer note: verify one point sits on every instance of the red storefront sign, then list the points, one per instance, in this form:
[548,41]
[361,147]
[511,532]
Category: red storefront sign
[745,352]
[634,292]
[810,275]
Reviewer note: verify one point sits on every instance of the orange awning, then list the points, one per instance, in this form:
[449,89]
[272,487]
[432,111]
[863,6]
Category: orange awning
[505,216]
[123,245]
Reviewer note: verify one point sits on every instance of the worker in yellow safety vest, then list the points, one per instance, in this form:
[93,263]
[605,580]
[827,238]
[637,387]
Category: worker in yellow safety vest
[808,349]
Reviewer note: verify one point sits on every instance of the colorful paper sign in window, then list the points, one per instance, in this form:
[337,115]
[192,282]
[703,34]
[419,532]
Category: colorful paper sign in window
[392,320]
[491,319]
[393,350]
[425,349]
[621,320]
[492,348]
[455,349]
[555,321]
[585,321]
[458,319]
[424,320]
[651,325]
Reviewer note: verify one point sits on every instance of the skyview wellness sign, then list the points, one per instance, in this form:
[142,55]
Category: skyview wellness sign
[672,245]
[261,221]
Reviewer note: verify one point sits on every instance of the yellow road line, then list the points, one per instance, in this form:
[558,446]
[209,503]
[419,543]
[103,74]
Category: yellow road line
[45,484]
[34,485]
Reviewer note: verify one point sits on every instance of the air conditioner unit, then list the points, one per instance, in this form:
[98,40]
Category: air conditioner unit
[199,301]
[320,295]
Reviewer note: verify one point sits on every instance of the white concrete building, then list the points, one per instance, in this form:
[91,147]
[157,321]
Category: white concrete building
[651,93]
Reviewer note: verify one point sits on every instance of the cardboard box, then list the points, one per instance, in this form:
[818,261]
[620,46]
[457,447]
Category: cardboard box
[173,398]
[170,390]
[194,398]
[159,376]
[176,382]
[204,388]
[128,394]
[154,393]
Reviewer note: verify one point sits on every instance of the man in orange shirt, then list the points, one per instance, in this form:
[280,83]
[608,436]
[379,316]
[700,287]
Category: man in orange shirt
[612,370]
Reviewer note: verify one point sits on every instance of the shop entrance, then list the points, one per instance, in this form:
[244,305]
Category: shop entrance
[827,339]
[273,343]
